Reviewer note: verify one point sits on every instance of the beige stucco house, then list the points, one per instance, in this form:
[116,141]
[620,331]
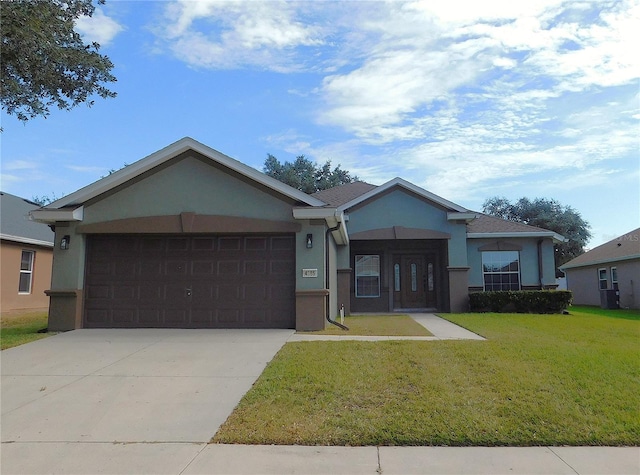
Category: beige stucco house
[26,253]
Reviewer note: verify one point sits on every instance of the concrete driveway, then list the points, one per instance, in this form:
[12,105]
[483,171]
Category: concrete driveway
[85,395]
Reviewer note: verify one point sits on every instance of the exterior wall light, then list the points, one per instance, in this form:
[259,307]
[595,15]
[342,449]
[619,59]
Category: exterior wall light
[309,241]
[64,242]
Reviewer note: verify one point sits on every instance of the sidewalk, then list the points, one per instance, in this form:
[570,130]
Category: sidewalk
[173,458]
[240,459]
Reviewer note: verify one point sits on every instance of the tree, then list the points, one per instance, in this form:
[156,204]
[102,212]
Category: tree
[305,175]
[44,62]
[547,214]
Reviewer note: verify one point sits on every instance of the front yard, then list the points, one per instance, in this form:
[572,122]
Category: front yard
[20,329]
[537,380]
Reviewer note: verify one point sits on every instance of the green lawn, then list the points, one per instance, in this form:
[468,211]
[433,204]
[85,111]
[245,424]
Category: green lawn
[21,329]
[537,380]
[377,325]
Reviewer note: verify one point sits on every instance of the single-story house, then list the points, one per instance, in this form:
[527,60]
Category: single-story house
[189,237]
[612,266]
[26,254]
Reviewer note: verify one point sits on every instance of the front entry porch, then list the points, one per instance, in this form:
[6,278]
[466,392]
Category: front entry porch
[399,276]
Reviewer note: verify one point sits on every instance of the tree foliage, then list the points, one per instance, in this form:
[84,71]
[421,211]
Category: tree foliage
[44,62]
[305,175]
[547,214]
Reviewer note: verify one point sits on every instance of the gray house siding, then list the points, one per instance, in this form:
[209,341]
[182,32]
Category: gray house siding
[585,284]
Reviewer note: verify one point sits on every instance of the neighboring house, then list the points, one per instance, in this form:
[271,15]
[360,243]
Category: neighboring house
[614,265]
[26,252]
[189,237]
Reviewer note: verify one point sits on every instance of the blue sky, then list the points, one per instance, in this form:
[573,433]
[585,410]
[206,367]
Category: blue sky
[466,99]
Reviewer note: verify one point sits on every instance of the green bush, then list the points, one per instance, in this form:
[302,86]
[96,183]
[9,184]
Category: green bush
[521,301]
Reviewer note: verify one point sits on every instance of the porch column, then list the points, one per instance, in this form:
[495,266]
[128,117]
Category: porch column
[458,289]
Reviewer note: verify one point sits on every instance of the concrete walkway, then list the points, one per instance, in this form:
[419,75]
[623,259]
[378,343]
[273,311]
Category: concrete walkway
[440,328]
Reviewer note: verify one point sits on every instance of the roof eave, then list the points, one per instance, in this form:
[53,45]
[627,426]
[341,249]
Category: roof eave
[557,238]
[596,262]
[51,216]
[26,240]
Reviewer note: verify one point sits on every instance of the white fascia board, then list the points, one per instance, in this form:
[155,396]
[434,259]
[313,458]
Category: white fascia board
[141,166]
[601,261]
[314,213]
[331,216]
[459,216]
[26,240]
[556,237]
[409,186]
[50,216]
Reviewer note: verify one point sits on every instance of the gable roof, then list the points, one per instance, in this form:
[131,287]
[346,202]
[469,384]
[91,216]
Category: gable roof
[491,226]
[622,248]
[15,224]
[399,183]
[171,151]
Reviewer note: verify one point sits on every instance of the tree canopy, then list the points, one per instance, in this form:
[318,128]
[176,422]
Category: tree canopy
[305,175]
[43,60]
[547,214]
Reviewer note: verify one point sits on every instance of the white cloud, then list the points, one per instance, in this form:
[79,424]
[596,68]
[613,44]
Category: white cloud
[222,34]
[98,27]
[20,165]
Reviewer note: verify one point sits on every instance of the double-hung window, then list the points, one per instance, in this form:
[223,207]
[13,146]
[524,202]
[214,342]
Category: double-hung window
[367,276]
[602,279]
[26,272]
[501,270]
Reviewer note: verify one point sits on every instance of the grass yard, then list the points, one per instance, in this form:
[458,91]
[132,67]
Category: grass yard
[538,380]
[377,325]
[20,329]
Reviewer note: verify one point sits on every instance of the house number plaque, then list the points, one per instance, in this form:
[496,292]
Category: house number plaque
[309,272]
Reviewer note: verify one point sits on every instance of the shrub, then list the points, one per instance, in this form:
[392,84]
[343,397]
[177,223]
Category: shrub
[521,301]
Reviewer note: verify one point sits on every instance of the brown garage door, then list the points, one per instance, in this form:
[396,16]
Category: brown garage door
[190,282]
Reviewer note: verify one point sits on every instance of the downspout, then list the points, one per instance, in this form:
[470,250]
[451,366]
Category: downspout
[326,273]
[540,264]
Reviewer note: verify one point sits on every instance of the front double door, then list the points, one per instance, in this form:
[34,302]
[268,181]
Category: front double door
[415,281]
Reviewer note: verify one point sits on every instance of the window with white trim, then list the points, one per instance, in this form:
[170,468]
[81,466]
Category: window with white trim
[614,278]
[602,279]
[26,272]
[368,276]
[501,270]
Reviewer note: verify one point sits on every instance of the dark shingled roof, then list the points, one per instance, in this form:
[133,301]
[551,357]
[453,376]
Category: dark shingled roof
[339,195]
[14,220]
[623,247]
[490,224]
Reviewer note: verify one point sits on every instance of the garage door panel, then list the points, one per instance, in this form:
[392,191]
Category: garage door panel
[190,282]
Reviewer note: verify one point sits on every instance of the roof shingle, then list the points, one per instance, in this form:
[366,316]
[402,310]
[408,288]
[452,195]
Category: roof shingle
[14,220]
[623,247]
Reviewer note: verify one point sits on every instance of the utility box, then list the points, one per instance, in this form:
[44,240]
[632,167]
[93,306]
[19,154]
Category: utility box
[609,299]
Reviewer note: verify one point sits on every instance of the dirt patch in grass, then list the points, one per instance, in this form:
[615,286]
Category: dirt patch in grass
[20,328]
[377,325]
[538,380]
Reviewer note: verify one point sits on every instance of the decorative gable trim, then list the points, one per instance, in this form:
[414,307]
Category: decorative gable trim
[500,246]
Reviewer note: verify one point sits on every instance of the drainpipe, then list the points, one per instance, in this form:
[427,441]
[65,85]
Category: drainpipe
[540,263]
[326,272]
